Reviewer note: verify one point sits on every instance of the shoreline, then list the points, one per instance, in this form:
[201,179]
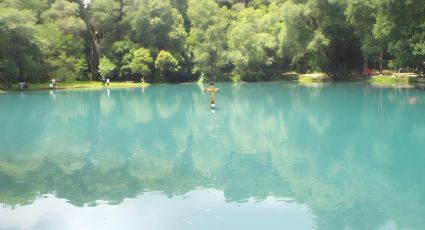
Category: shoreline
[396,81]
[75,85]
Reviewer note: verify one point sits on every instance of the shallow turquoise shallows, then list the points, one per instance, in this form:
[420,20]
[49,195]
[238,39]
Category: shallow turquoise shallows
[272,156]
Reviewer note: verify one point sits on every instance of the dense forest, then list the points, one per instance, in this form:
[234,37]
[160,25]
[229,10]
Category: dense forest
[184,40]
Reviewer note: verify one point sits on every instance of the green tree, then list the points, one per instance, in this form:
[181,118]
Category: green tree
[371,26]
[407,34]
[60,37]
[321,36]
[166,63]
[208,36]
[66,16]
[8,71]
[181,6]
[254,52]
[106,68]
[157,24]
[217,39]
[141,62]
[121,54]
[105,18]
[19,54]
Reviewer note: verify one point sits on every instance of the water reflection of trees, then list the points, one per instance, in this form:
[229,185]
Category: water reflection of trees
[326,147]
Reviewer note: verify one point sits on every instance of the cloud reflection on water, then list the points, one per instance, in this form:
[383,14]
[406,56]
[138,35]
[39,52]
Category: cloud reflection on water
[351,153]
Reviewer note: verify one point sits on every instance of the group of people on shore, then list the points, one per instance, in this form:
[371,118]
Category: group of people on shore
[23,84]
[105,81]
[211,89]
[53,84]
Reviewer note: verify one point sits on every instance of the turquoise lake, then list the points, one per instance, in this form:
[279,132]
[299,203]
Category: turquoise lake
[272,156]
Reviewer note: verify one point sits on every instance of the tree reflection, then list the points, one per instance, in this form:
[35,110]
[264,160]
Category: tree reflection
[352,153]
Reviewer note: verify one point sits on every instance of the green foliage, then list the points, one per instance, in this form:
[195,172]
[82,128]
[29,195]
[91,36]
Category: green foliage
[384,80]
[158,24]
[407,33]
[104,16]
[141,62]
[66,16]
[66,68]
[60,9]
[255,51]
[41,42]
[121,54]
[19,54]
[166,63]
[208,36]
[104,13]
[362,16]
[106,67]
[248,40]
[60,41]
[317,33]
[8,69]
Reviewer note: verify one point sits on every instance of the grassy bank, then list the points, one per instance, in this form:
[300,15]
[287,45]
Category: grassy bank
[305,78]
[78,85]
[313,78]
[399,79]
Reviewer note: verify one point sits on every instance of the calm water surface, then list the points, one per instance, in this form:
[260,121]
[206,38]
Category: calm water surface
[273,156]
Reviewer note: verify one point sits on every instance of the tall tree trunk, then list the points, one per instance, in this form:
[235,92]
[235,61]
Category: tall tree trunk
[381,56]
[365,67]
[246,2]
[337,68]
[118,31]
[94,55]
[121,13]
[91,43]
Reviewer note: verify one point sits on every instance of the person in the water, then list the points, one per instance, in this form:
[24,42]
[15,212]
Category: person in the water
[212,90]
